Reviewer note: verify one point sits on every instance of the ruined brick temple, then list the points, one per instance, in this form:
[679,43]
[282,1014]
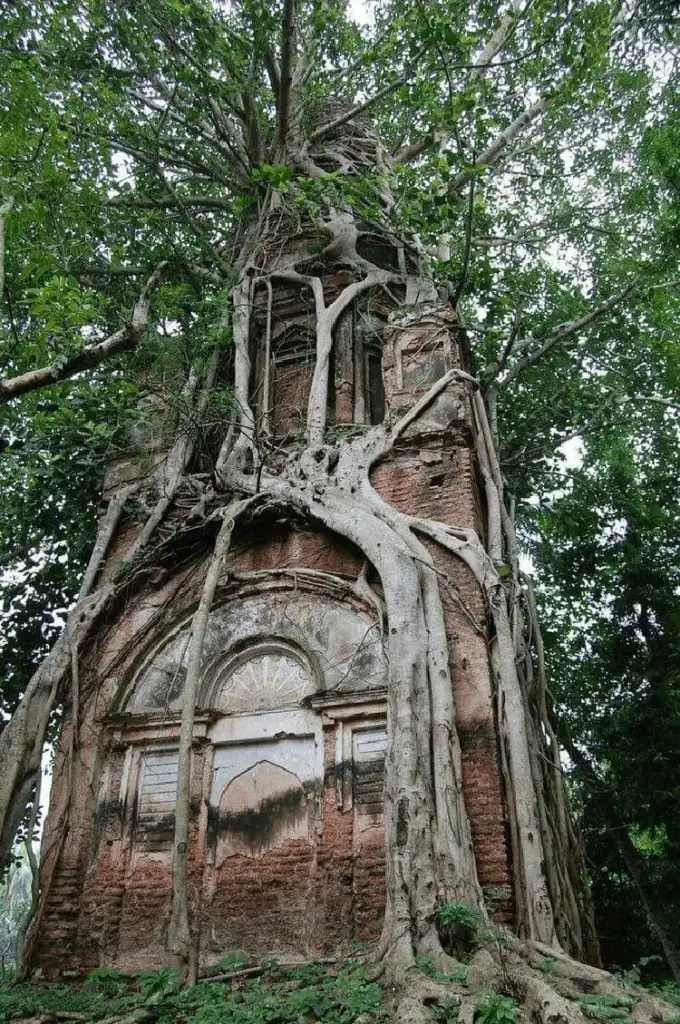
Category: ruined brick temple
[286,851]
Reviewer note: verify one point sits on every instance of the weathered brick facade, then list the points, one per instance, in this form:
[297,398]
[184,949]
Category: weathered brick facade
[287,843]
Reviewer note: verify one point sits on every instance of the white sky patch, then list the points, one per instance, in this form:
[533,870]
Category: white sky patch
[573,452]
[361,12]
[45,786]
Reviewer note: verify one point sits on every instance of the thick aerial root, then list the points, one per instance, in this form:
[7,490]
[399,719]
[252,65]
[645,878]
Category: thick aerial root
[431,946]
[574,980]
[416,1007]
[588,978]
[549,987]
[179,940]
[484,972]
[417,994]
[540,1001]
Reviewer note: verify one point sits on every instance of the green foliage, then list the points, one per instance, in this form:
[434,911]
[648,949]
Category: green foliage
[233,961]
[452,912]
[466,924]
[50,488]
[669,991]
[494,1008]
[336,999]
[15,903]
[611,568]
[275,176]
[107,980]
[308,992]
[492,936]
[547,964]
[426,964]
[447,1011]
[607,1007]
[155,986]
[8,972]
[36,1000]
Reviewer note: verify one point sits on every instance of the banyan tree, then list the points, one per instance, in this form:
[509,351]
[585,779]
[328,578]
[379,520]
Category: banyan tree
[303,686]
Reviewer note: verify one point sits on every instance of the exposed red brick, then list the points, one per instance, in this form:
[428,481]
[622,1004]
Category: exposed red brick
[109,898]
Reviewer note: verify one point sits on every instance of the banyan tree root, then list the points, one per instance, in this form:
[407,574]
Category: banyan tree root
[180,940]
[428,831]
[547,987]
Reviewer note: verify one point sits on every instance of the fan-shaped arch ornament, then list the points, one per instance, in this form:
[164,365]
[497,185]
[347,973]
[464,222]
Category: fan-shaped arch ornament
[264,677]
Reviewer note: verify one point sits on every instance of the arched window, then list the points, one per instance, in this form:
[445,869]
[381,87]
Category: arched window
[263,677]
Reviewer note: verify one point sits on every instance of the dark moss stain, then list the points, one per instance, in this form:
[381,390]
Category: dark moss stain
[258,826]
[107,818]
[108,812]
[155,830]
[165,684]
[337,772]
[135,807]
[367,780]
[402,823]
[365,662]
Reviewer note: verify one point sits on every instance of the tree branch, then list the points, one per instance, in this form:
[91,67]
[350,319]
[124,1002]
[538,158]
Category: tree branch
[498,40]
[462,281]
[286,74]
[260,42]
[240,155]
[190,220]
[168,203]
[92,355]
[225,144]
[5,207]
[327,129]
[405,154]
[254,143]
[668,403]
[502,141]
[415,412]
[563,332]
[273,71]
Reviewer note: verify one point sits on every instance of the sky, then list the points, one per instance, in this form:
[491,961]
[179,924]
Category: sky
[360,11]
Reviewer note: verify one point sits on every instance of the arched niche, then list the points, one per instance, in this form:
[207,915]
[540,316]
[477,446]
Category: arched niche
[260,809]
[309,640]
[262,676]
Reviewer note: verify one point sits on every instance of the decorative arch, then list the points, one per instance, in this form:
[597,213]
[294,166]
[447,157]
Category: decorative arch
[305,629]
[262,676]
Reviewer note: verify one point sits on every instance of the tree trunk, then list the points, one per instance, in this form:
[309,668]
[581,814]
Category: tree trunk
[606,804]
[333,278]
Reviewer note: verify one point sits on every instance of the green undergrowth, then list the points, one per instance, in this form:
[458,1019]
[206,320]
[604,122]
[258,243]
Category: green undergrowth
[425,963]
[494,1008]
[308,993]
[669,991]
[607,1008]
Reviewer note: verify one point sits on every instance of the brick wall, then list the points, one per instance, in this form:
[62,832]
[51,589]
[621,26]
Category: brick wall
[109,897]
